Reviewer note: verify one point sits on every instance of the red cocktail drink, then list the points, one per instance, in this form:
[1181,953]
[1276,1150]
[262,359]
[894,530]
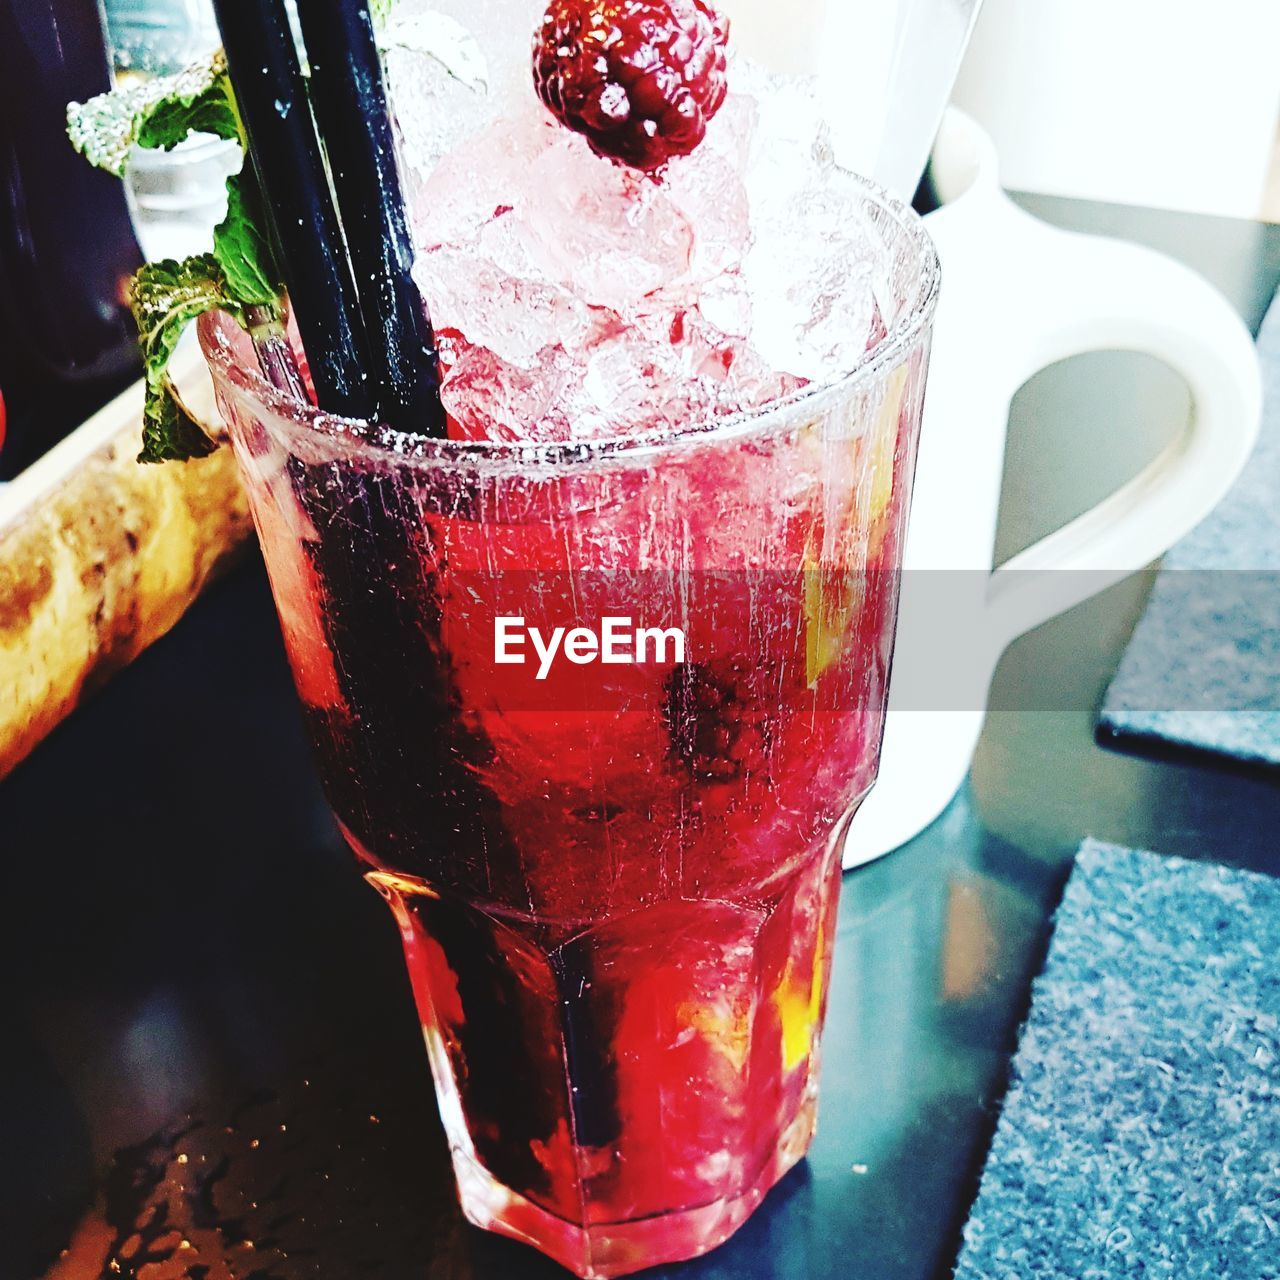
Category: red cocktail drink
[615,887]
[597,683]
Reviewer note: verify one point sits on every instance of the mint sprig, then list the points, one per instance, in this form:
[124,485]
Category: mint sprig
[240,276]
[157,113]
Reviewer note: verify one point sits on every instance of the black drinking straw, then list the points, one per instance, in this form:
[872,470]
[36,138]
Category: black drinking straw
[350,104]
[276,115]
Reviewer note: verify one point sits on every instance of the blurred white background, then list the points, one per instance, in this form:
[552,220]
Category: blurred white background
[1167,103]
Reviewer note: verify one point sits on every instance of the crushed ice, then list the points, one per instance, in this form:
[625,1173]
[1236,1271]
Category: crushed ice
[577,299]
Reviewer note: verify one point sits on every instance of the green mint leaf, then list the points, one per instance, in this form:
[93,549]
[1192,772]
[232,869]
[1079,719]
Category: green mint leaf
[162,110]
[165,298]
[238,275]
[242,247]
[169,433]
[173,119]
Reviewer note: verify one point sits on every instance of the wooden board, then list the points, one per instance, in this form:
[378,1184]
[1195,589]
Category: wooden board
[100,556]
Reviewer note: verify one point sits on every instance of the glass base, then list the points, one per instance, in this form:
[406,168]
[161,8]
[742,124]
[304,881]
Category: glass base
[607,1249]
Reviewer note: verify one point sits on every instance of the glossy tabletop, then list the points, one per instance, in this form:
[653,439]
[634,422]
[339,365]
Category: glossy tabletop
[206,1033]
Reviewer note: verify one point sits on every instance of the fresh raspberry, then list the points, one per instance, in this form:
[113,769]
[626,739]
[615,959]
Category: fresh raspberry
[638,78]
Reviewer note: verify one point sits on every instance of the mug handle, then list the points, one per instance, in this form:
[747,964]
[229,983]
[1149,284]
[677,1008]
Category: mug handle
[1090,293]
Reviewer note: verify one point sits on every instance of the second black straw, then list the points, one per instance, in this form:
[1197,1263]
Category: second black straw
[368,339]
[348,95]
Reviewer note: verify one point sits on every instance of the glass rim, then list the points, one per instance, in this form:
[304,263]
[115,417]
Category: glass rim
[403,447]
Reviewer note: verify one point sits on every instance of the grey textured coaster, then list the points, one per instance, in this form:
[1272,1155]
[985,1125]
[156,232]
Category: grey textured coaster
[1203,668]
[1141,1132]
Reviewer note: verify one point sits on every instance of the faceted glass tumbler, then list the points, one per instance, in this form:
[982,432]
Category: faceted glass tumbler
[615,881]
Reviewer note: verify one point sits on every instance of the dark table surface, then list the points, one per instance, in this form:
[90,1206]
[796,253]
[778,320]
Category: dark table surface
[206,1033]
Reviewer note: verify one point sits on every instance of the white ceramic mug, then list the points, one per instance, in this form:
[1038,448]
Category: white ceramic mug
[1171,103]
[1018,295]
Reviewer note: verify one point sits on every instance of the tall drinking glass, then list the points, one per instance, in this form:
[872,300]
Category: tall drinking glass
[594,719]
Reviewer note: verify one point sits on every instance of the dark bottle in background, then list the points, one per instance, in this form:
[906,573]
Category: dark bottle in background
[67,244]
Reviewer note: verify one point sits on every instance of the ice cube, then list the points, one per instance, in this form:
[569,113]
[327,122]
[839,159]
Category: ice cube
[809,276]
[491,399]
[708,189]
[495,41]
[481,180]
[790,118]
[808,270]
[497,304]
[607,233]
[725,303]
[438,85]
